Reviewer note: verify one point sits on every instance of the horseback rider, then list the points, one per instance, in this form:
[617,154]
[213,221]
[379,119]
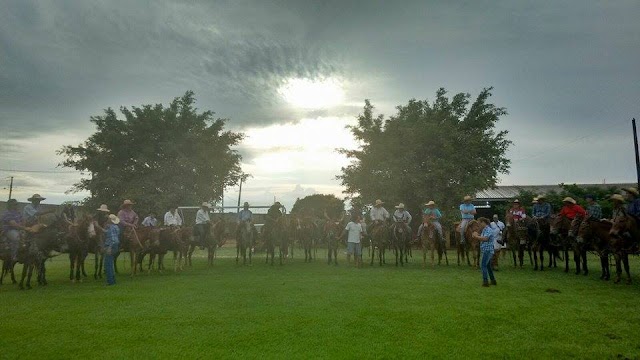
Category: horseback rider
[150,220]
[431,213]
[378,214]
[594,211]
[542,209]
[517,211]
[633,208]
[203,222]
[401,217]
[172,217]
[69,214]
[128,217]
[12,224]
[570,209]
[467,212]
[245,216]
[32,211]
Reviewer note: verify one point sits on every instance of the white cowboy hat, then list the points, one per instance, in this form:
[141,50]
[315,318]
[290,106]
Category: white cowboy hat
[542,196]
[569,199]
[36,197]
[516,201]
[114,219]
[379,202]
[617,197]
[400,206]
[535,200]
[467,198]
[430,203]
[632,190]
[128,202]
[205,204]
[103,208]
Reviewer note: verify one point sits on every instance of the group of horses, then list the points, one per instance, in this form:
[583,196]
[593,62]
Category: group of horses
[558,236]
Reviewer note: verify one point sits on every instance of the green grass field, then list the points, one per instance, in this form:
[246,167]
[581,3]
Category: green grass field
[314,310]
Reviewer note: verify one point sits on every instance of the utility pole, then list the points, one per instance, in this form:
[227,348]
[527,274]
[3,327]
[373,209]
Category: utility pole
[10,187]
[243,178]
[635,145]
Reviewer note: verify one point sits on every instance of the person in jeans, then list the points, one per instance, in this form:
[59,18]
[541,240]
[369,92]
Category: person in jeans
[110,246]
[487,240]
[354,233]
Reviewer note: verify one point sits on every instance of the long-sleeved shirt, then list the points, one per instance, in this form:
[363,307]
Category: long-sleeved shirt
[594,212]
[202,217]
[8,216]
[571,211]
[150,221]
[402,216]
[171,219]
[617,212]
[245,215]
[634,208]
[517,213]
[29,213]
[112,236]
[487,245]
[542,210]
[433,214]
[128,217]
[378,214]
[467,207]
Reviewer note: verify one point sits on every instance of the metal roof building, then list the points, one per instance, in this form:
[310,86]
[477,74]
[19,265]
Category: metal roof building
[508,192]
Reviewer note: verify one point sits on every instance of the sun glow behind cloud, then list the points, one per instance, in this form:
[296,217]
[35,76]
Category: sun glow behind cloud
[312,94]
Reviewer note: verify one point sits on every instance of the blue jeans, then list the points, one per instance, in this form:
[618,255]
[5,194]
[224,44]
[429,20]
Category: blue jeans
[485,264]
[108,266]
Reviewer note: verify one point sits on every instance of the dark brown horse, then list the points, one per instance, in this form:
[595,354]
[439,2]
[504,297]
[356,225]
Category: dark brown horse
[596,232]
[625,235]
[379,241]
[332,231]
[218,230]
[559,232]
[462,247]
[304,230]
[40,242]
[539,240]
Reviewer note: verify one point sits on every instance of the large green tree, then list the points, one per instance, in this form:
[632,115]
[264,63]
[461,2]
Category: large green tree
[157,156]
[438,150]
[316,204]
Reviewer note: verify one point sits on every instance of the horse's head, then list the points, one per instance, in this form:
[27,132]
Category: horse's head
[621,224]
[559,224]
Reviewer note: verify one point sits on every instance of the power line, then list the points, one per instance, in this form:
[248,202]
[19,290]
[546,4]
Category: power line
[40,171]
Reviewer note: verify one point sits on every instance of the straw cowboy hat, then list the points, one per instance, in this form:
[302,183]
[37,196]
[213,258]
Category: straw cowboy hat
[516,201]
[617,197]
[569,199]
[400,206]
[632,190]
[205,204]
[379,202]
[103,208]
[127,202]
[535,200]
[467,198]
[430,203]
[38,197]
[542,196]
[114,219]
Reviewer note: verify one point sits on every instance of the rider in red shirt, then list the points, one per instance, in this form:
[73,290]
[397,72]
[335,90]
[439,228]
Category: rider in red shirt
[570,209]
[517,211]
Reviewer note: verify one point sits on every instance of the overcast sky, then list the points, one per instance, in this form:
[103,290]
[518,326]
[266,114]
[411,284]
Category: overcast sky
[293,73]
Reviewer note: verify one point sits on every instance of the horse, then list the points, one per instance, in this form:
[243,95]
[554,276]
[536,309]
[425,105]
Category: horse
[433,240]
[540,241]
[473,226]
[517,238]
[559,235]
[304,232]
[7,262]
[462,247]
[379,240]
[624,235]
[77,242]
[332,230]
[596,232]
[37,248]
[281,235]
[400,241]
[580,246]
[245,242]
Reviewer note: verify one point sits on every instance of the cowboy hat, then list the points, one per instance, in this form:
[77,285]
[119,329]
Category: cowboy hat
[516,201]
[535,200]
[632,190]
[114,219]
[467,198]
[400,206]
[430,203]
[617,197]
[569,199]
[128,202]
[205,204]
[379,202]
[103,208]
[38,197]
[245,204]
[542,196]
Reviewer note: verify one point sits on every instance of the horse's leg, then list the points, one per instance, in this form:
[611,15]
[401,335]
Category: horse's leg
[625,262]
[29,273]
[566,259]
[71,258]
[585,269]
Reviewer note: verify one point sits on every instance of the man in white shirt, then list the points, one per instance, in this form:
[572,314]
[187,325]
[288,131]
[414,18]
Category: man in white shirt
[150,221]
[172,218]
[378,214]
[401,217]
[354,233]
[202,224]
[498,228]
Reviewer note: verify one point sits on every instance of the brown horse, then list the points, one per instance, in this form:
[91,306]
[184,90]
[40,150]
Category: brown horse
[474,226]
[431,239]
[517,236]
[332,230]
[379,241]
[625,234]
[560,236]
[41,241]
[216,240]
[596,232]
[462,247]
[304,230]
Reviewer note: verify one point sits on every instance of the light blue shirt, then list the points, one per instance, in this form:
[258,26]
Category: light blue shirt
[29,212]
[435,212]
[467,207]
[245,215]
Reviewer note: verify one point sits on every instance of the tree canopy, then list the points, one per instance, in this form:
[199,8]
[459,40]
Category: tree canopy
[156,156]
[316,204]
[440,150]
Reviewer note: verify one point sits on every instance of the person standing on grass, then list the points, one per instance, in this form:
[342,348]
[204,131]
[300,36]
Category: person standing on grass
[487,240]
[498,228]
[354,233]
[110,246]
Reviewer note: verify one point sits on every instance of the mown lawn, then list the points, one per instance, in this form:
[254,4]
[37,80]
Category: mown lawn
[314,310]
